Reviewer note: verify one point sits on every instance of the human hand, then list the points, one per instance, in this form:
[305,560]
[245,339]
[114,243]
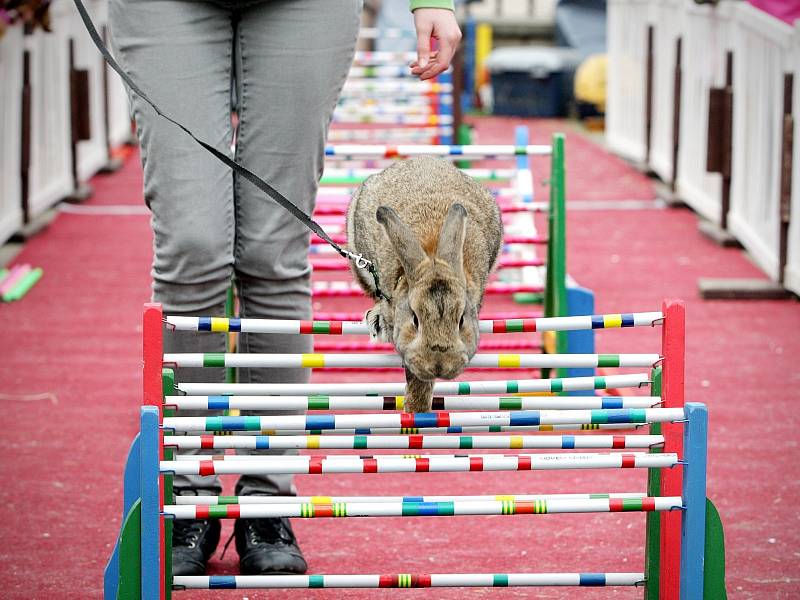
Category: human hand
[440,24]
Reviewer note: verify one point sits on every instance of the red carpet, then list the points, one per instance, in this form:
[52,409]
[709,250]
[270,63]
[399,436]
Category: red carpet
[77,336]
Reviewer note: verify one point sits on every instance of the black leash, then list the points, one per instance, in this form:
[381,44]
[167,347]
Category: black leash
[358,259]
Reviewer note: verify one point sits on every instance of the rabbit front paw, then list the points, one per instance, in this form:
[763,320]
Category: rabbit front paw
[419,394]
[378,330]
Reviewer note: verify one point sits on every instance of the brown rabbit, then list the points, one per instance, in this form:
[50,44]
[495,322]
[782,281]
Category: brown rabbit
[433,235]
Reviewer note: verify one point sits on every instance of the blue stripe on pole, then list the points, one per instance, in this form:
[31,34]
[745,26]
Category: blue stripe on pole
[455,429]
[597,322]
[427,509]
[204,324]
[320,422]
[262,442]
[621,416]
[456,150]
[218,402]
[329,151]
[426,420]
[568,442]
[592,579]
[222,582]
[413,498]
[524,417]
[627,320]
[611,403]
[363,431]
[234,324]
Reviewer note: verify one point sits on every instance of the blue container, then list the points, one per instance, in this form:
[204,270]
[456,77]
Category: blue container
[534,81]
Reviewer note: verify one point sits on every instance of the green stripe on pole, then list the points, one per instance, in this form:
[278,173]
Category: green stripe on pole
[599,383]
[463,388]
[316,581]
[252,423]
[638,415]
[228,500]
[512,387]
[631,504]
[214,359]
[23,285]
[510,403]
[599,417]
[465,441]
[608,360]
[599,496]
[446,509]
[218,511]
[520,150]
[213,423]
[556,385]
[360,442]
[318,402]
[514,326]
[499,580]
[320,327]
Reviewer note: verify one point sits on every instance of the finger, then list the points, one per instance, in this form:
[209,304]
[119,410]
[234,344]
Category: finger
[424,45]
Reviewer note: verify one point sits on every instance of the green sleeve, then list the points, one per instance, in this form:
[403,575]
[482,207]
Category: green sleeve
[415,4]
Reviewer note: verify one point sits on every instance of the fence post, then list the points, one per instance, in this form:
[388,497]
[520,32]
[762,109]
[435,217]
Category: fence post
[787,158]
[80,122]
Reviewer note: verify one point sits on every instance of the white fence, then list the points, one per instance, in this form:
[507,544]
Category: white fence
[50,175]
[792,271]
[764,50]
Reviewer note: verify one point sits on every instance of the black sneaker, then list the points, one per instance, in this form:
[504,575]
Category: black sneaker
[193,543]
[268,547]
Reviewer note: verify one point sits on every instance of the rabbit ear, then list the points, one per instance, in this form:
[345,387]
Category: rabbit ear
[405,244]
[451,237]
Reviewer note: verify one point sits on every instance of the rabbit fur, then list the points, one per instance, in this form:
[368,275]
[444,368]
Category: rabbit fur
[433,234]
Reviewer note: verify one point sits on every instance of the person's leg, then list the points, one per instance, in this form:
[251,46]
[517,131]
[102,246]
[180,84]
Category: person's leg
[294,58]
[180,54]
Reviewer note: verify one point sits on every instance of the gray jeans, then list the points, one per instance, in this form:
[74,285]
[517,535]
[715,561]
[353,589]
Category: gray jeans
[285,62]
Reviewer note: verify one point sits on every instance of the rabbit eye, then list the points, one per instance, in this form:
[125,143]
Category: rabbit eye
[416,321]
[461,321]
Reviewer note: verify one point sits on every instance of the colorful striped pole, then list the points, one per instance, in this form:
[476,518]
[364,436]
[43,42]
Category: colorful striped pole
[403,442]
[23,285]
[406,580]
[346,289]
[434,463]
[401,119]
[376,360]
[405,151]
[368,110]
[294,403]
[447,508]
[417,134]
[345,327]
[333,175]
[221,500]
[484,345]
[364,57]
[442,430]
[440,388]
[432,419]
[396,86]
[329,210]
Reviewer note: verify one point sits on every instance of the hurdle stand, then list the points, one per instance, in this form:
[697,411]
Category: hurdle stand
[680,498]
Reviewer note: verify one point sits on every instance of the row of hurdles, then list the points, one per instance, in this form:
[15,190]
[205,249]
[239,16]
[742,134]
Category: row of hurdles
[683,535]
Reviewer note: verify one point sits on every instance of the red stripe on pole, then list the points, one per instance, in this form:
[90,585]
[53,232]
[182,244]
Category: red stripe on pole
[523,463]
[206,441]
[234,511]
[498,326]
[648,504]
[201,511]
[370,465]
[206,467]
[306,327]
[529,325]
[615,504]
[387,581]
[315,465]
[618,442]
[420,581]
[475,463]
[524,507]
[628,461]
[422,465]
[336,328]
[443,419]
[406,420]
[391,152]
[415,441]
[323,510]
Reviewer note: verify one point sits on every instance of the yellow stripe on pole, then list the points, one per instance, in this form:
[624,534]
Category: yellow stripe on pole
[483,47]
[399,402]
[312,441]
[516,441]
[502,498]
[219,324]
[321,500]
[313,360]
[508,360]
[612,321]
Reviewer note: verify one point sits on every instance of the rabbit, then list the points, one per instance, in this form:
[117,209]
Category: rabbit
[433,234]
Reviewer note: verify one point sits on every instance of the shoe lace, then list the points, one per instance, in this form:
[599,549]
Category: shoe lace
[187,532]
[269,531]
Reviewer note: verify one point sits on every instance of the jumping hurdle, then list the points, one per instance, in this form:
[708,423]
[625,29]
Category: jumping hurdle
[673,452]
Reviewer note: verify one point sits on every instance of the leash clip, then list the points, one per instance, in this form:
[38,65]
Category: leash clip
[359,259]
